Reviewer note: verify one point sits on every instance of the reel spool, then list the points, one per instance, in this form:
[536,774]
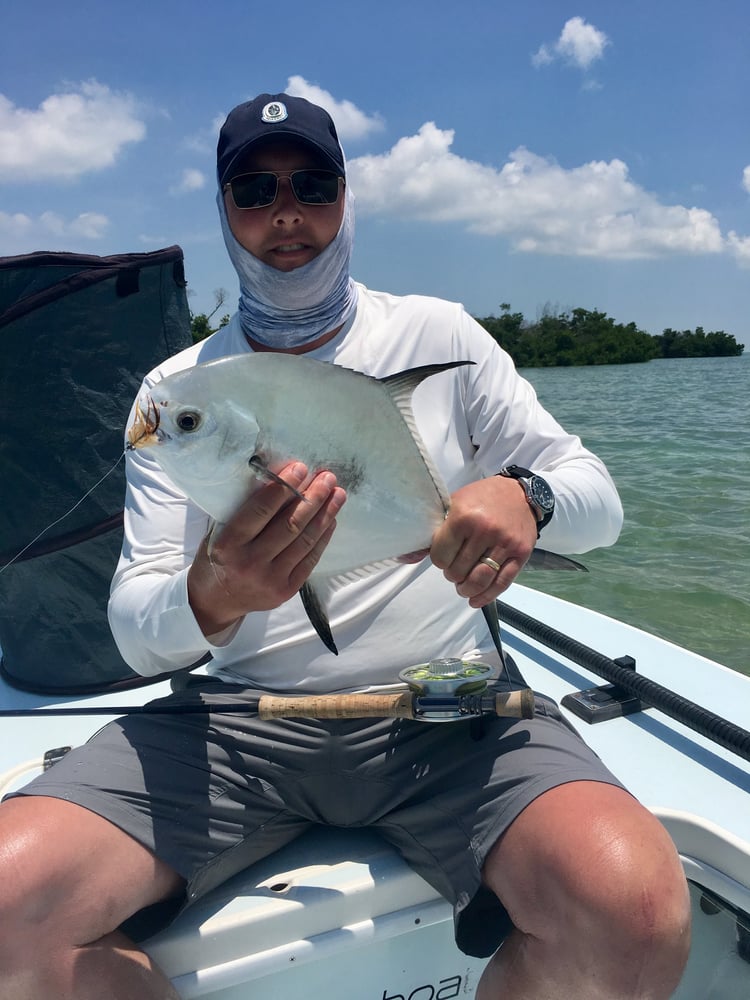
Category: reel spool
[451,678]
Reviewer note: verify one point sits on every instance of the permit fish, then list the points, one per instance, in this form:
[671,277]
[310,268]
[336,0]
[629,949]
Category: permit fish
[222,428]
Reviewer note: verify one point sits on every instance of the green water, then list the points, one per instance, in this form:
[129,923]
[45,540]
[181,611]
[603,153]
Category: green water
[675,436]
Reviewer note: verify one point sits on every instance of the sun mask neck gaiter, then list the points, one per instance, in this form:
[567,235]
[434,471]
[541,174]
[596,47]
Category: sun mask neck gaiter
[285,309]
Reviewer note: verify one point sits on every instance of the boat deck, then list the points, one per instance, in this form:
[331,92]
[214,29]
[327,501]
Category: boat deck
[346,902]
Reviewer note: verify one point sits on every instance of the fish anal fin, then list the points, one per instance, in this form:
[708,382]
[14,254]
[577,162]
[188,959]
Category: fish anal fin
[493,624]
[317,615]
[543,559]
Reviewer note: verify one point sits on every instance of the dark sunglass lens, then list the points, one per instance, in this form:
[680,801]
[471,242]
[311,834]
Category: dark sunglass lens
[254,190]
[315,187]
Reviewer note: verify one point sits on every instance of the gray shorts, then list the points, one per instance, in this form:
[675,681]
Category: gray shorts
[211,794]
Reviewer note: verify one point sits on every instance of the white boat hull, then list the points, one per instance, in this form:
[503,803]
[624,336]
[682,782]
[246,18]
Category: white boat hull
[338,915]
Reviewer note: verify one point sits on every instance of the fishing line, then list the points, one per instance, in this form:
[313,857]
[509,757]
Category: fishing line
[62,517]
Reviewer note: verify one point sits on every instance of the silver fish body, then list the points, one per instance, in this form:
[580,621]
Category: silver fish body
[214,427]
[221,428]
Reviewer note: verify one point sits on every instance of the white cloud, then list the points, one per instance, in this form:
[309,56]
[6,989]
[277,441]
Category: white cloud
[190,180]
[746,179]
[69,134]
[543,56]
[579,44]
[150,240]
[595,209]
[739,246]
[203,141]
[15,227]
[20,233]
[351,123]
[89,226]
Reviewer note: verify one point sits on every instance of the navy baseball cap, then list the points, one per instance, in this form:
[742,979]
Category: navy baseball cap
[271,115]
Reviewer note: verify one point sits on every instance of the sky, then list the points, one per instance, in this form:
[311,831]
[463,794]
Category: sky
[545,154]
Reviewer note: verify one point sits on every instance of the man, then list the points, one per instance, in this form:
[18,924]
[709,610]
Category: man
[524,830]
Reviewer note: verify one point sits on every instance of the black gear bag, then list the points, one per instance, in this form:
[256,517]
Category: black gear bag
[77,335]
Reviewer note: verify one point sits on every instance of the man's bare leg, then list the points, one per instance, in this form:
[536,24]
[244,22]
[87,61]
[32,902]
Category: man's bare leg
[68,879]
[596,891]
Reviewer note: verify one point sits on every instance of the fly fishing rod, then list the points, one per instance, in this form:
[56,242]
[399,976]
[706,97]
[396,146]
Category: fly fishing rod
[716,728]
[443,690]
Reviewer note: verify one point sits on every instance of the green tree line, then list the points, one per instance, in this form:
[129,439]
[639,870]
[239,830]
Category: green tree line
[201,324]
[590,337]
[574,337]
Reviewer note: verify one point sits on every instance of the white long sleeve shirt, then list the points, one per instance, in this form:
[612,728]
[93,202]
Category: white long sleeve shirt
[474,420]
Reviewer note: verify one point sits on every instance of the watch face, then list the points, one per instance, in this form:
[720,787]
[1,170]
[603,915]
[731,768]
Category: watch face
[542,494]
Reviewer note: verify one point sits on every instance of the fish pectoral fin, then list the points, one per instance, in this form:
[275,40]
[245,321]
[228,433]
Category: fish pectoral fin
[317,615]
[256,462]
[543,559]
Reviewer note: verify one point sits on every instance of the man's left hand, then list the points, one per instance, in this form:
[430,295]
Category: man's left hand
[489,519]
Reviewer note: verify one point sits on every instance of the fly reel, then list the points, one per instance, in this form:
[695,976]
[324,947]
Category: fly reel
[448,678]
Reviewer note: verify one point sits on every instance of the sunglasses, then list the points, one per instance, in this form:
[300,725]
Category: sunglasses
[259,190]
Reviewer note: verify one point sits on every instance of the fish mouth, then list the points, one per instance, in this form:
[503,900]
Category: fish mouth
[142,432]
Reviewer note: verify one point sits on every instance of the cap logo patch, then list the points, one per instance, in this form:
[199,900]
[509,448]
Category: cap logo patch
[274,112]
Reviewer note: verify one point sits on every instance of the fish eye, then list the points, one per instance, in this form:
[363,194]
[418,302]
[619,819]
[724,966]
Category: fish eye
[188,421]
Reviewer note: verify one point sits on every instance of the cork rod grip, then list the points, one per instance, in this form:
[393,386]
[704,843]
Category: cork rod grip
[517,704]
[397,705]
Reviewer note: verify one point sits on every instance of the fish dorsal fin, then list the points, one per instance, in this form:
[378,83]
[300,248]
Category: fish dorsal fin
[400,387]
[407,381]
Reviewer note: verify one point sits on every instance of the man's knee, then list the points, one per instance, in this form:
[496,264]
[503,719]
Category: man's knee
[594,879]
[640,904]
[67,876]
[27,887]
[636,930]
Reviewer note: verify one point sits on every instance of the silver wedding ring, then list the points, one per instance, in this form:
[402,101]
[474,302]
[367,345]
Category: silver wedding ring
[488,561]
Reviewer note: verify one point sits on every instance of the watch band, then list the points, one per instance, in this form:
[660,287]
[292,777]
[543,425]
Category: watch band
[539,495]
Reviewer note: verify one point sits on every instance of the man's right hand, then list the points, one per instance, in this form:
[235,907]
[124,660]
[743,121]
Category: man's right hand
[265,552]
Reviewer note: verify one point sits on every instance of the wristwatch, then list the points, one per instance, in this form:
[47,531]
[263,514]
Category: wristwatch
[538,492]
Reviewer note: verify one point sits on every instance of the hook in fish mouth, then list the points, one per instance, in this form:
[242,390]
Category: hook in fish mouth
[142,432]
